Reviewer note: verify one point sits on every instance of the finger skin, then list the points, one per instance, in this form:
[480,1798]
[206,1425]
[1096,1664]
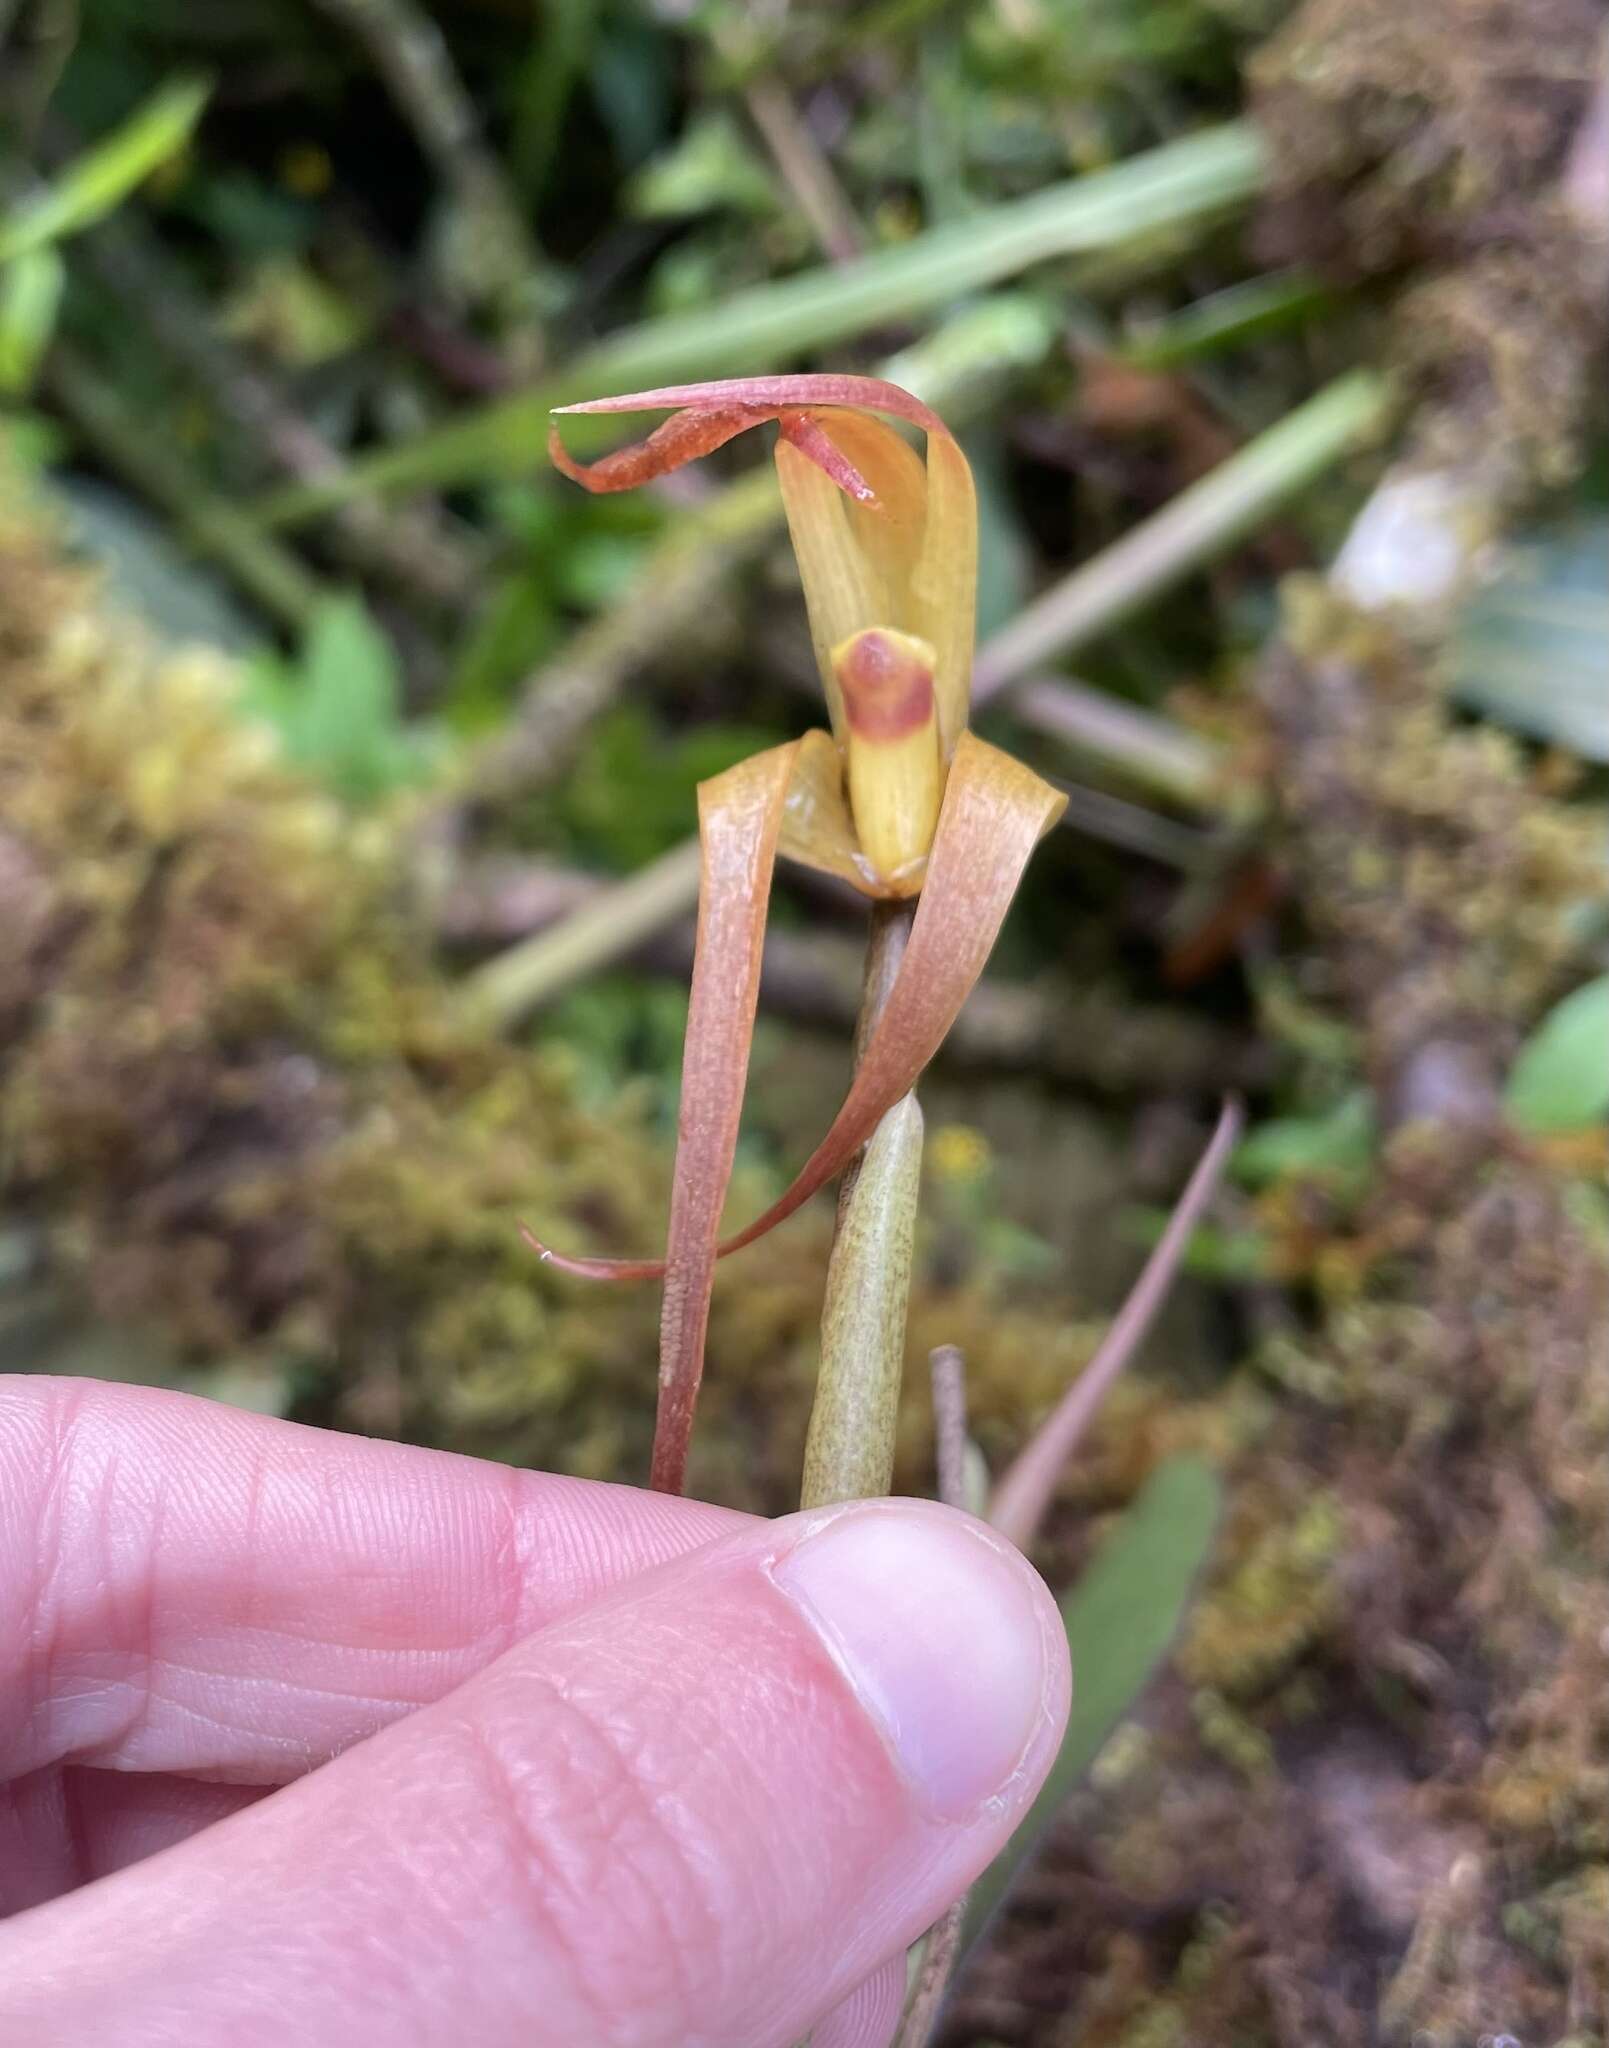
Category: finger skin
[189,1588]
[669,1820]
[869,2015]
[64,1825]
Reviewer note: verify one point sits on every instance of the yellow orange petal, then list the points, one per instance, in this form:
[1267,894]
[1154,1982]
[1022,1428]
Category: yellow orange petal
[739,819]
[843,590]
[817,828]
[889,528]
[882,540]
[995,813]
[895,770]
[944,583]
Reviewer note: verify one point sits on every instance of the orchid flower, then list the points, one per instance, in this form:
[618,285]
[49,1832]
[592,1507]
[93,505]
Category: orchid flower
[899,798]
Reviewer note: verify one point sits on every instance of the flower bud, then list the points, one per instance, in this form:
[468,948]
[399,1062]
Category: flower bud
[895,772]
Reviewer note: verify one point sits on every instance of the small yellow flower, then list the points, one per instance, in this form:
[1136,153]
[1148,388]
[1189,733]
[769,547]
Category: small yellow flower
[959,1152]
[887,546]
[899,798]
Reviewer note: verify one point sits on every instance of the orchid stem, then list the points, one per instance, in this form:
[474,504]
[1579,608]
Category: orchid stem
[849,1449]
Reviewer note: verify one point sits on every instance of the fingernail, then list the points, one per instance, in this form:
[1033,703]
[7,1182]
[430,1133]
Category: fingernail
[943,1630]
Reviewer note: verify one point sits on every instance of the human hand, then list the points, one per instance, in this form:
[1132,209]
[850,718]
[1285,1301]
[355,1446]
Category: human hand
[311,1739]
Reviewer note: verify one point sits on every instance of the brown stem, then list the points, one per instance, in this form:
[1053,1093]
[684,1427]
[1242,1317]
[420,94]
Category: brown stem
[805,170]
[939,1959]
[948,1368]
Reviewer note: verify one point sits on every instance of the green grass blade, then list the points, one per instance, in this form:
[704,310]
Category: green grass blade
[99,180]
[1120,1619]
[1228,319]
[773,324]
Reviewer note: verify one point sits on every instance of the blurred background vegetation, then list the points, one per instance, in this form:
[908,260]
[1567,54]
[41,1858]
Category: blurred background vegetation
[347,760]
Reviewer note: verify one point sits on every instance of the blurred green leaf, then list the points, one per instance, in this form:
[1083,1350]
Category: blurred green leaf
[711,164]
[623,1033]
[515,629]
[631,796]
[30,293]
[1004,555]
[1120,1619]
[1226,320]
[1230,1257]
[285,308]
[337,706]
[1340,1142]
[1528,649]
[560,44]
[633,87]
[1560,1081]
[94,183]
[32,440]
[247,215]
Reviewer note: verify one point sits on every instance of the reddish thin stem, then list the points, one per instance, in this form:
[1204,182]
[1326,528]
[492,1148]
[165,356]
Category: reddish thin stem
[1024,1493]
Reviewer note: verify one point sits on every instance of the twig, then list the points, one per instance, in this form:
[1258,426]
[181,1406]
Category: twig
[1024,1493]
[943,1947]
[411,54]
[939,1959]
[508,987]
[948,1369]
[1112,819]
[849,1448]
[805,170]
[265,570]
[407,543]
[505,897]
[1157,751]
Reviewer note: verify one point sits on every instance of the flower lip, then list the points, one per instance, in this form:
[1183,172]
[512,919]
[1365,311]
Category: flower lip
[887,681]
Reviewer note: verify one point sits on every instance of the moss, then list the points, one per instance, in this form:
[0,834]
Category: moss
[1443,885]
[1382,1759]
[1427,142]
[1274,1605]
[235,1093]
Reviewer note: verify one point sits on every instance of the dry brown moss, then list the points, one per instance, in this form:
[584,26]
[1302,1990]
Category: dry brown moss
[1427,140]
[1369,1808]
[234,1091]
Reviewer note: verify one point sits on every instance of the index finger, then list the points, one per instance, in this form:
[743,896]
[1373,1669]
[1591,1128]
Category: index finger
[188,1587]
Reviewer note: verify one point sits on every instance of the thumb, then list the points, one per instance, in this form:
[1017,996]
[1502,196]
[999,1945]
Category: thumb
[701,1811]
